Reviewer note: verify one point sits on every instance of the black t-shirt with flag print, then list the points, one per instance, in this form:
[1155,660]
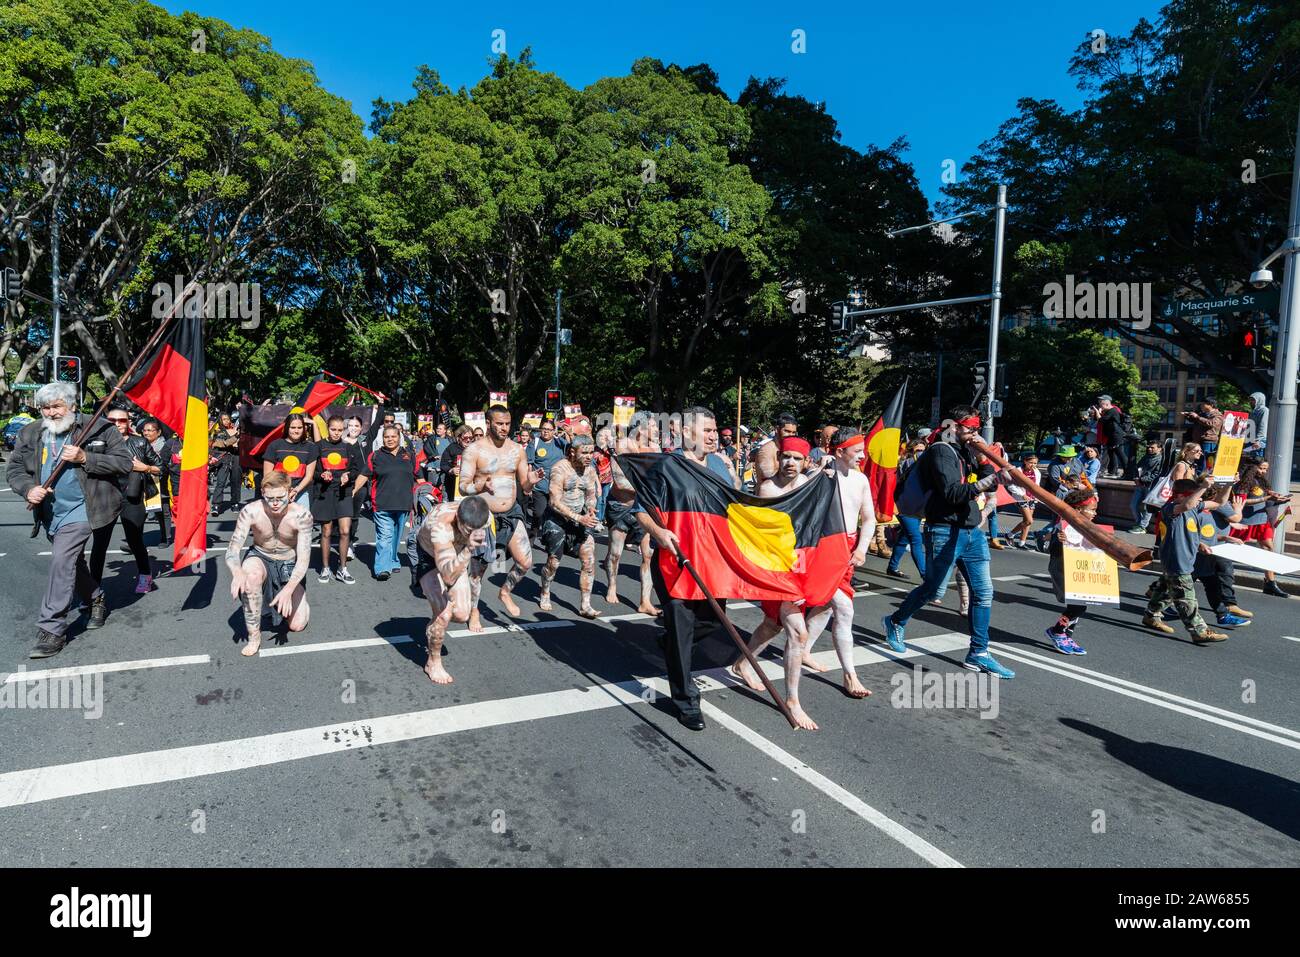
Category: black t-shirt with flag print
[291,458]
[336,458]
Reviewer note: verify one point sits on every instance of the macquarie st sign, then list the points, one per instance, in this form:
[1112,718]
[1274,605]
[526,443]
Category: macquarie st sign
[1249,300]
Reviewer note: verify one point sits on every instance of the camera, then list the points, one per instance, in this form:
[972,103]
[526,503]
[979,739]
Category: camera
[1260,278]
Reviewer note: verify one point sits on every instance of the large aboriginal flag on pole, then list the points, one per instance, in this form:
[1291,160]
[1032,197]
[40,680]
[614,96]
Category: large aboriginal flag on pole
[781,549]
[170,386]
[881,463]
[315,399]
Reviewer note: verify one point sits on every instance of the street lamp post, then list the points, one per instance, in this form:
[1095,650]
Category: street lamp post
[1282,414]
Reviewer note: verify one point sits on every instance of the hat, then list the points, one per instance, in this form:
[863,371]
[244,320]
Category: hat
[1104,398]
[1067,452]
[726,431]
[744,430]
[922,433]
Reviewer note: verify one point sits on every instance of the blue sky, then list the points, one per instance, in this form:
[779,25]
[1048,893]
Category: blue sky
[942,73]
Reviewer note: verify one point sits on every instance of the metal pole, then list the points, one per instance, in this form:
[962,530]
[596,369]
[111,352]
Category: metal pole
[557,337]
[938,392]
[54,278]
[1281,417]
[995,312]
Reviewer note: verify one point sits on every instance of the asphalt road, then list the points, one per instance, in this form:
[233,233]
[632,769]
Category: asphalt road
[554,747]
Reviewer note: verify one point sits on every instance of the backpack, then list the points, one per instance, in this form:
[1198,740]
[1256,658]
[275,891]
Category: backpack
[912,498]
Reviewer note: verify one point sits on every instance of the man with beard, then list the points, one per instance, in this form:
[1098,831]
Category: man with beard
[448,538]
[273,574]
[83,502]
[568,522]
[497,468]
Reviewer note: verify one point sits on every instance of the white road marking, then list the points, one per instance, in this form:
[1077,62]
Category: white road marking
[406,639]
[1289,638]
[40,674]
[33,785]
[1011,578]
[1155,696]
[913,842]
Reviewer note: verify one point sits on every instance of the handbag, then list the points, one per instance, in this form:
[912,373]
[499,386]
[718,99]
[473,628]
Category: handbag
[1160,493]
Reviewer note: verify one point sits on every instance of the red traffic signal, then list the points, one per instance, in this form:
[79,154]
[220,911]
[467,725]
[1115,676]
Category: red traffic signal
[67,369]
[554,401]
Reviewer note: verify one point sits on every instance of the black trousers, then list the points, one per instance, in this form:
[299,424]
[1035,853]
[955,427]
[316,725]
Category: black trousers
[99,540]
[1215,573]
[685,624]
[540,502]
[228,478]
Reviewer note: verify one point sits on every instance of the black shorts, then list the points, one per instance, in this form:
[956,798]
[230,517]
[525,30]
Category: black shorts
[332,506]
[500,528]
[619,517]
[278,573]
[560,536]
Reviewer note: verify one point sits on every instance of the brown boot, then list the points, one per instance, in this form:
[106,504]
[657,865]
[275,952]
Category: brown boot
[1157,625]
[1207,636]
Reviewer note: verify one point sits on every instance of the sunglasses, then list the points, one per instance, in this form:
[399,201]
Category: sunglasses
[119,419]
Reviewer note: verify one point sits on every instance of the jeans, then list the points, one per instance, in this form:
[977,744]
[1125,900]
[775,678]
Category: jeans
[388,539]
[600,501]
[909,536]
[993,524]
[946,547]
[1141,516]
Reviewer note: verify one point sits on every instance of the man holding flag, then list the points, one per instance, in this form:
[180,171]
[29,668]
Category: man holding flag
[83,501]
[880,464]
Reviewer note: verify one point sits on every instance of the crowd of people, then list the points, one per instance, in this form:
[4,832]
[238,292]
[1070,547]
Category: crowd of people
[464,504]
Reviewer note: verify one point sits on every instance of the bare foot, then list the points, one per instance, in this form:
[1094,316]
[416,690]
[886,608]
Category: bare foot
[853,687]
[745,673]
[437,673]
[647,608]
[475,622]
[812,665]
[611,597]
[586,611]
[511,608]
[544,604]
[800,717]
[250,649]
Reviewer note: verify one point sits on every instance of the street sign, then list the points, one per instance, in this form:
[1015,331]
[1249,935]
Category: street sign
[995,408]
[1250,300]
[25,386]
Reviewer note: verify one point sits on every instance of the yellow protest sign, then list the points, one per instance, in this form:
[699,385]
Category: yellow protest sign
[624,408]
[1091,576]
[1227,459]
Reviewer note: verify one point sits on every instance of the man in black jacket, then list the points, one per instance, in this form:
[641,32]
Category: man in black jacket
[83,502]
[953,537]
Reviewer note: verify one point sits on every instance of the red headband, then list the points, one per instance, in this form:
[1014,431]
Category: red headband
[971,421]
[858,439]
[792,443]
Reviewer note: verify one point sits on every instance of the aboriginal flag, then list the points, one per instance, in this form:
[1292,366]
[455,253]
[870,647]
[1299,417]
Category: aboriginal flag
[780,549]
[315,399]
[881,463]
[170,386]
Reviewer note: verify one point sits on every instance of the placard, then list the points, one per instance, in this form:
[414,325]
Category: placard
[1227,458]
[476,420]
[1091,576]
[402,418]
[499,398]
[572,411]
[532,420]
[426,421]
[1252,556]
[624,409]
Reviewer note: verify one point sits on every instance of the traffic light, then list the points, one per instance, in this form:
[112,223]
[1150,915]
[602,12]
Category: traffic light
[1247,344]
[554,401]
[12,281]
[67,369]
[839,317]
[981,377]
[1001,389]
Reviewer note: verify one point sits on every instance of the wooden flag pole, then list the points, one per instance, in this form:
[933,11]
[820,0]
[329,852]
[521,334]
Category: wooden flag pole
[117,386]
[740,642]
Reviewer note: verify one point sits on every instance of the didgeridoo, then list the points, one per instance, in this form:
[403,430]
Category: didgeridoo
[1127,554]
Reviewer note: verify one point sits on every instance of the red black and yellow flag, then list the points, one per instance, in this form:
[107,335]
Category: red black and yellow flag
[778,549]
[170,386]
[315,399]
[881,463]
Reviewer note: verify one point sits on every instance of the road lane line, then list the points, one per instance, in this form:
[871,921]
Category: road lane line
[406,639]
[50,783]
[1012,578]
[1058,668]
[43,673]
[1289,638]
[912,841]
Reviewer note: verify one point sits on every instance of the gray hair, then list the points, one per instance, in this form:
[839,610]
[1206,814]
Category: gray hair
[52,392]
[580,440]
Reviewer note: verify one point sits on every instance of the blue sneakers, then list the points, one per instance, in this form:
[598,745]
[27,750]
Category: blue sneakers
[1065,644]
[987,663]
[1230,620]
[893,634]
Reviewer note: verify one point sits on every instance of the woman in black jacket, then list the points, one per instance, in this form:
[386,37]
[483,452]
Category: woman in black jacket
[137,487]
